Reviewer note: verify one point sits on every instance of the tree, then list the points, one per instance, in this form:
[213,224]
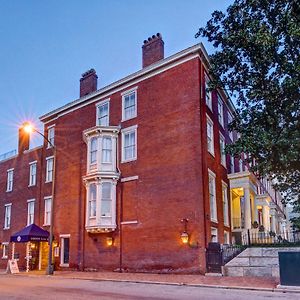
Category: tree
[257,61]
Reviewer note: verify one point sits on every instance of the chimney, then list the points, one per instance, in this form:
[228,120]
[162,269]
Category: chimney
[153,50]
[88,82]
[24,140]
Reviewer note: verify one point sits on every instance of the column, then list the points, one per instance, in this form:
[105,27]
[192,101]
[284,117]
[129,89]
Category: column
[266,218]
[247,208]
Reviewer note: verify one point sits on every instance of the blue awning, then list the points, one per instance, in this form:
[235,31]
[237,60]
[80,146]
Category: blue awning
[31,233]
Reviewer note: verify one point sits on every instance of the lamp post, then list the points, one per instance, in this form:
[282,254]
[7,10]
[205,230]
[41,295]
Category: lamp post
[29,128]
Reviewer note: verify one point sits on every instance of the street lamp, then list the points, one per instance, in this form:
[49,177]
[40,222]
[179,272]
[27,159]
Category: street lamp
[29,128]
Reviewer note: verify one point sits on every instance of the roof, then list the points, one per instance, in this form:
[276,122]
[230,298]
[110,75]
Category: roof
[30,233]
[161,65]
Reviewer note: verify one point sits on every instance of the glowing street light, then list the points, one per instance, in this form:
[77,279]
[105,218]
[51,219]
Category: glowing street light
[29,128]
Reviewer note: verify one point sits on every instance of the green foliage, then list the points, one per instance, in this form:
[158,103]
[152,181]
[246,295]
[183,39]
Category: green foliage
[257,61]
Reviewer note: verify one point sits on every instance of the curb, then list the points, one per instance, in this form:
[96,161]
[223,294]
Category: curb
[277,290]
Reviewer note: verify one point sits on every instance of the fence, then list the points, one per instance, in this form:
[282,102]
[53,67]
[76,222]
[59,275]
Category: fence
[270,238]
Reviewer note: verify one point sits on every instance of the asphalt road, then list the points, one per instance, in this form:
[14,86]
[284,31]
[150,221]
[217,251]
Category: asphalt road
[36,287]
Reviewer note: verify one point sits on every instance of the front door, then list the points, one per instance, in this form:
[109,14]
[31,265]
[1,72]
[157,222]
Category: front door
[65,252]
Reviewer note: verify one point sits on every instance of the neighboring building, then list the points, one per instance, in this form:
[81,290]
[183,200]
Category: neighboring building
[139,164]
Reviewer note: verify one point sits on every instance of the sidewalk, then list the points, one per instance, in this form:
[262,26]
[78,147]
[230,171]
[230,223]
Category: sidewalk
[247,283]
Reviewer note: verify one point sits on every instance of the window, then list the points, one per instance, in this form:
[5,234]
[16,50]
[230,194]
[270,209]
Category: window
[214,235]
[231,164]
[47,215]
[7,216]
[106,199]
[212,196]
[210,135]
[129,107]
[49,168]
[30,212]
[103,113]
[226,238]
[93,151]
[106,150]
[51,136]
[225,204]
[208,94]
[4,250]
[241,165]
[220,111]
[230,119]
[32,173]
[92,201]
[10,180]
[129,144]
[222,150]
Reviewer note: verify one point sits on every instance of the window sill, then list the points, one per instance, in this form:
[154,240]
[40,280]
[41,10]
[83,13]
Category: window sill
[9,191]
[4,257]
[64,265]
[128,160]
[124,120]
[48,181]
[45,225]
[31,185]
[6,228]
[214,220]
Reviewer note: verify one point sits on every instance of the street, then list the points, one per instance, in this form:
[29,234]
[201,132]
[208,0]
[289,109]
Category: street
[36,287]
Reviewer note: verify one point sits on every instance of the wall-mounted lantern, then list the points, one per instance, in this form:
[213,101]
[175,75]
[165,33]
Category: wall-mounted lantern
[109,241]
[184,235]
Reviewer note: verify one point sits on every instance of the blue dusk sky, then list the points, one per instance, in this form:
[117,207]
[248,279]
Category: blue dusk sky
[45,46]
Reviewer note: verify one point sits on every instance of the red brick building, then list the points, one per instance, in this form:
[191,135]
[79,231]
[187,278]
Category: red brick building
[138,163]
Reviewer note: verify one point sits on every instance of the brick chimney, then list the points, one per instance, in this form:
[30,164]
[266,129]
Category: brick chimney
[24,140]
[88,82]
[153,50]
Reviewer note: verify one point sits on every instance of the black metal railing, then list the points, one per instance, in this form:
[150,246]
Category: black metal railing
[231,251]
[271,238]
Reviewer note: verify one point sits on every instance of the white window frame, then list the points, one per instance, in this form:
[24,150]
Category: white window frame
[5,250]
[48,159]
[90,200]
[93,165]
[32,176]
[47,212]
[127,93]
[124,132]
[230,119]
[7,215]
[111,199]
[222,150]
[10,180]
[106,149]
[51,136]
[226,237]
[29,213]
[212,202]
[225,203]
[221,110]
[210,146]
[208,94]
[98,105]
[214,234]
[61,237]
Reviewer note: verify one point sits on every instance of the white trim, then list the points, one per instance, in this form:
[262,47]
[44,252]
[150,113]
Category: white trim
[9,170]
[102,102]
[123,132]
[47,198]
[64,236]
[30,200]
[49,146]
[212,150]
[214,217]
[33,162]
[126,82]
[129,222]
[130,178]
[46,174]
[50,126]
[223,163]
[4,256]
[124,94]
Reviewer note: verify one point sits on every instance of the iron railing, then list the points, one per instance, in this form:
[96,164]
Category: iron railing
[271,238]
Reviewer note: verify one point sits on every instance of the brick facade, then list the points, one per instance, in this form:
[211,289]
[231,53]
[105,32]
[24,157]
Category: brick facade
[167,182]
